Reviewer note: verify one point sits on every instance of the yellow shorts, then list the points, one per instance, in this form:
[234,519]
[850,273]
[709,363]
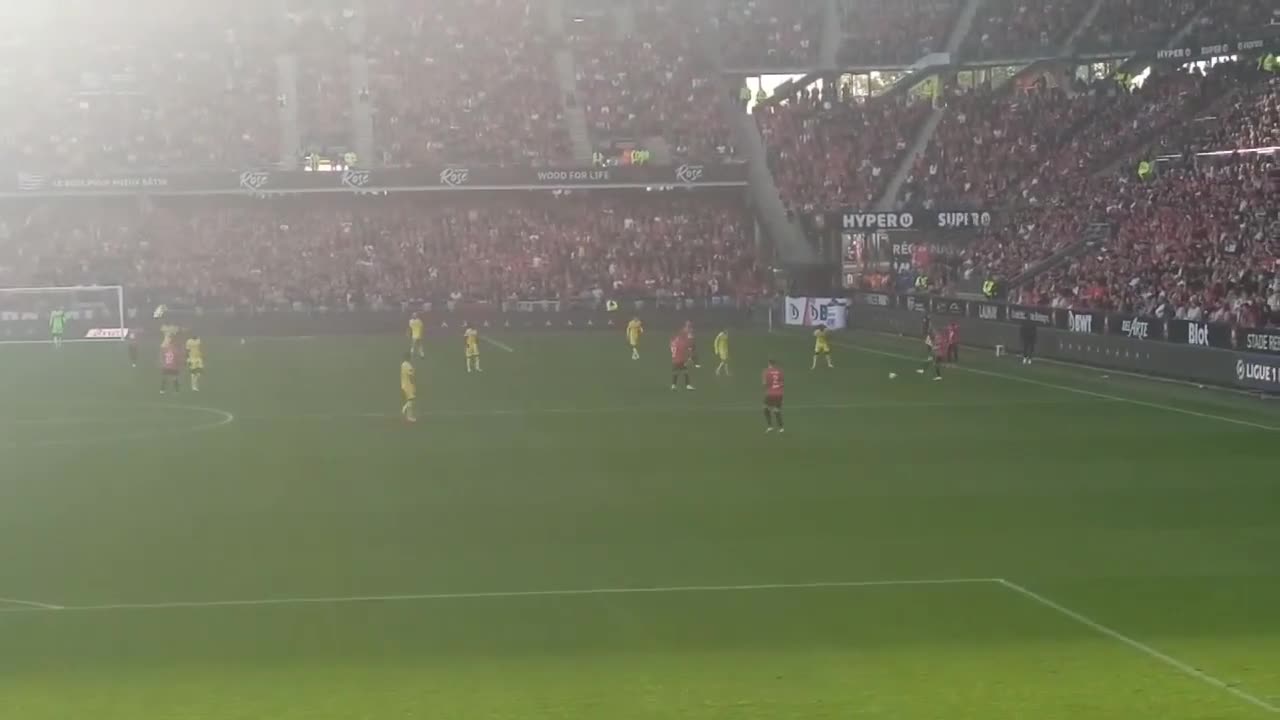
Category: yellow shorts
[473,353]
[635,342]
[194,365]
[410,392]
[822,350]
[724,357]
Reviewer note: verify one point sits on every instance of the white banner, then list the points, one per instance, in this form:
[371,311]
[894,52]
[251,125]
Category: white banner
[106,333]
[807,311]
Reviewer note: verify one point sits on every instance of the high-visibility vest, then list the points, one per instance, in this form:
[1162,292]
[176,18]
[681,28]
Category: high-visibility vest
[744,94]
[1145,170]
[989,288]
[761,95]
[1271,63]
[922,282]
[611,306]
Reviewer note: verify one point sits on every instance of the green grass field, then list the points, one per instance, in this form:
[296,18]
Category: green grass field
[563,537]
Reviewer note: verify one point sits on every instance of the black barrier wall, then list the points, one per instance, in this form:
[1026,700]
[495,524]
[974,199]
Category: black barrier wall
[1132,344]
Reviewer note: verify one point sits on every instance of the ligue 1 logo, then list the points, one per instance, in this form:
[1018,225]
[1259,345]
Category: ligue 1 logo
[454,176]
[1240,370]
[254,179]
[689,174]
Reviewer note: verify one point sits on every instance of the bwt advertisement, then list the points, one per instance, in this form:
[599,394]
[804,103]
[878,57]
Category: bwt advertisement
[811,312]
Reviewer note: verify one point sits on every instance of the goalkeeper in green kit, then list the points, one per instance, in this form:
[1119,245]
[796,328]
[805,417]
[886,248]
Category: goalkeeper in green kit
[57,324]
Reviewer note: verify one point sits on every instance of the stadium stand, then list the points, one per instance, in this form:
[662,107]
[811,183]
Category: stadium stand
[307,251]
[879,33]
[151,88]
[830,154]
[651,83]
[769,33]
[464,82]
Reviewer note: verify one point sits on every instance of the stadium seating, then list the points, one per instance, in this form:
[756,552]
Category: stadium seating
[331,251]
[1195,243]
[769,33]
[464,81]
[827,155]
[165,85]
[651,84]
[880,33]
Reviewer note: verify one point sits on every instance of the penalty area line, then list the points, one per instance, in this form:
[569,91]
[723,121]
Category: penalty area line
[1141,647]
[498,344]
[1070,389]
[425,597]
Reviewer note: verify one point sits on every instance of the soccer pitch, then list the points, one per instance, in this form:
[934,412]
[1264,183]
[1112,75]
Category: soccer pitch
[564,537]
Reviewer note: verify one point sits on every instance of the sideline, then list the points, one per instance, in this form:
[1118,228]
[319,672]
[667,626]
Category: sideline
[1070,389]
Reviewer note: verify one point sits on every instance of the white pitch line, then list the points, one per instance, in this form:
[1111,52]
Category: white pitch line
[29,604]
[507,594]
[498,344]
[1076,390]
[738,407]
[1142,647]
[221,418]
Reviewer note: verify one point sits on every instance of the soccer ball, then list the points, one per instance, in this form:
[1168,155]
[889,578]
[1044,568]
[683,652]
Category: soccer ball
[893,375]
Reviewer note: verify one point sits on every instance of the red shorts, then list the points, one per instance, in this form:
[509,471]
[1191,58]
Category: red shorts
[773,401]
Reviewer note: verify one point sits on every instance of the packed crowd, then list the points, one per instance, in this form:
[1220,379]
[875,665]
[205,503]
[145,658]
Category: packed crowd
[653,82]
[1201,239]
[321,37]
[882,33]
[464,81]
[1196,243]
[1137,24]
[1041,149]
[397,249]
[769,33]
[830,153]
[1229,20]
[93,88]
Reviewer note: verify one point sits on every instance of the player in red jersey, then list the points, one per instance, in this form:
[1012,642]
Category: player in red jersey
[170,366]
[953,342]
[680,360]
[693,343]
[938,353]
[772,381]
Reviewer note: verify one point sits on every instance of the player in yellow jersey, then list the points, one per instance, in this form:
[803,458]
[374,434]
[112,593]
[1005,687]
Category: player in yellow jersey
[408,388]
[415,336]
[471,340]
[635,329]
[721,347]
[195,361]
[821,347]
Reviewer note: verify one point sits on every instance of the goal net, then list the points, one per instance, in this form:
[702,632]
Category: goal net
[93,313]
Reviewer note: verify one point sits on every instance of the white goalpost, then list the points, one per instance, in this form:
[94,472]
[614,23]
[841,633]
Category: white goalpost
[93,313]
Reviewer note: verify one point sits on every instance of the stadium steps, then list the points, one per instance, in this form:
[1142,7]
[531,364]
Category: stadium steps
[361,108]
[1094,236]
[789,241]
[575,117]
[889,198]
[832,36]
[1068,45]
[1183,120]
[934,63]
[287,106]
